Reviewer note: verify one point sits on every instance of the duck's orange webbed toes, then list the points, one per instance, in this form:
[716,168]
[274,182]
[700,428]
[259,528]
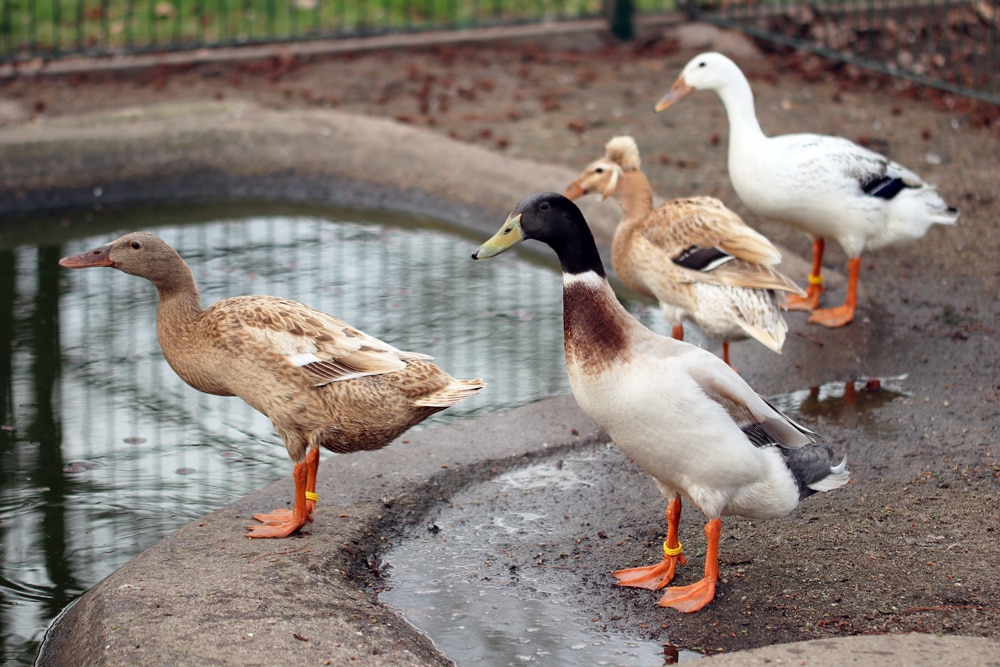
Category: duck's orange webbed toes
[689,598]
[275,529]
[833,317]
[278,517]
[808,302]
[652,577]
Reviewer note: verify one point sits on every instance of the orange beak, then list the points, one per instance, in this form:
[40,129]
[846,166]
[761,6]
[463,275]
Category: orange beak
[99,257]
[677,93]
[574,191]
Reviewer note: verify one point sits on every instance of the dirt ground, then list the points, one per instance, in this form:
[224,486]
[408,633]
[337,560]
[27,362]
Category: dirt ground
[912,544]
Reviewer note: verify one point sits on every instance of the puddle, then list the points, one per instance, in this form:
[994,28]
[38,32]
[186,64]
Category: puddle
[457,579]
[851,405]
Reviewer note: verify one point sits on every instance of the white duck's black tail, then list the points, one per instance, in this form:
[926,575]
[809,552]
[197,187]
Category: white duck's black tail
[837,476]
[813,470]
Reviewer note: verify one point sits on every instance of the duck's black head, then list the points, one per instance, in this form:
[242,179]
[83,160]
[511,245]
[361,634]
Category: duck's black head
[554,220]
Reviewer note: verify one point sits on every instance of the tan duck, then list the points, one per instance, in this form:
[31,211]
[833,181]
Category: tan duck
[319,380]
[693,255]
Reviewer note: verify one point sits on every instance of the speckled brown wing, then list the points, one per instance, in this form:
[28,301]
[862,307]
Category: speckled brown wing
[325,348]
[704,222]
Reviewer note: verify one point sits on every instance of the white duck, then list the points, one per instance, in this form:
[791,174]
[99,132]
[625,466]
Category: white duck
[829,187]
[678,411]
[697,258]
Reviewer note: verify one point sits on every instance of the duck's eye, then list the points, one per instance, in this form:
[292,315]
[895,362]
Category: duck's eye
[544,206]
[702,64]
[136,245]
[599,170]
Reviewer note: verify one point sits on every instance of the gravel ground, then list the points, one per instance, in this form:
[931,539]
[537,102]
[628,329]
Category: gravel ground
[912,544]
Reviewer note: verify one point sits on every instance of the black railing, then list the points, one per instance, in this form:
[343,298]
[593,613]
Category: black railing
[47,29]
[947,44]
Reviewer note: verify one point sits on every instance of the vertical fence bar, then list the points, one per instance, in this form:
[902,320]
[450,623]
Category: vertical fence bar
[128,15]
[6,29]
[105,19]
[33,27]
[56,27]
[205,22]
[991,75]
[79,25]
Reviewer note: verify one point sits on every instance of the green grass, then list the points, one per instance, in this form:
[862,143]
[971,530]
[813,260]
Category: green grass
[42,27]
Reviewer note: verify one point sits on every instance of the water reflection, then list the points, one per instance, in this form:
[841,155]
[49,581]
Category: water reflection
[853,404]
[103,450]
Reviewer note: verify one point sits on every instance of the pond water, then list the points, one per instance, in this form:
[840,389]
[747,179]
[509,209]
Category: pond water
[103,450]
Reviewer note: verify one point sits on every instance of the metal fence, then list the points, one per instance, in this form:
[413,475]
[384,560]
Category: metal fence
[54,28]
[947,44]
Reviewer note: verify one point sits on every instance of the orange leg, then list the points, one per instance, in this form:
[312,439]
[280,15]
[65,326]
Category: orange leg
[850,393]
[678,332]
[282,523]
[841,315]
[694,597]
[725,353]
[655,577]
[312,467]
[811,300]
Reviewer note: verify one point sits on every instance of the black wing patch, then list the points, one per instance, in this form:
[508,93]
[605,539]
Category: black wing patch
[758,435]
[697,258]
[883,187]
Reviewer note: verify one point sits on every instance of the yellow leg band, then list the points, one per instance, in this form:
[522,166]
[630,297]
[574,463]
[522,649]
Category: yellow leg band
[815,280]
[312,496]
[667,551]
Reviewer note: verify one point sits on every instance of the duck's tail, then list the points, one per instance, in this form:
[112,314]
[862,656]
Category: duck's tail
[452,393]
[837,477]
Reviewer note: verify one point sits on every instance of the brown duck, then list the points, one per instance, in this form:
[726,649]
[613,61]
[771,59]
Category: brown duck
[319,380]
[696,257]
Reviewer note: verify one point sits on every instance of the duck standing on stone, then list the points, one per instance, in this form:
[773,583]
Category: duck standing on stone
[319,380]
[697,258]
[684,416]
[829,187]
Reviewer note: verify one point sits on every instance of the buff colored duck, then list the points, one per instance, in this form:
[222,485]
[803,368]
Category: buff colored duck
[693,255]
[683,415]
[319,380]
[829,187]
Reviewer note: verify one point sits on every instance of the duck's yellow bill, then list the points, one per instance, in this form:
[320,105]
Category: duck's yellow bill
[508,237]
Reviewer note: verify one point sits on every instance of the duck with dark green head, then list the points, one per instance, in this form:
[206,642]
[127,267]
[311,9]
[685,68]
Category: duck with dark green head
[683,415]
